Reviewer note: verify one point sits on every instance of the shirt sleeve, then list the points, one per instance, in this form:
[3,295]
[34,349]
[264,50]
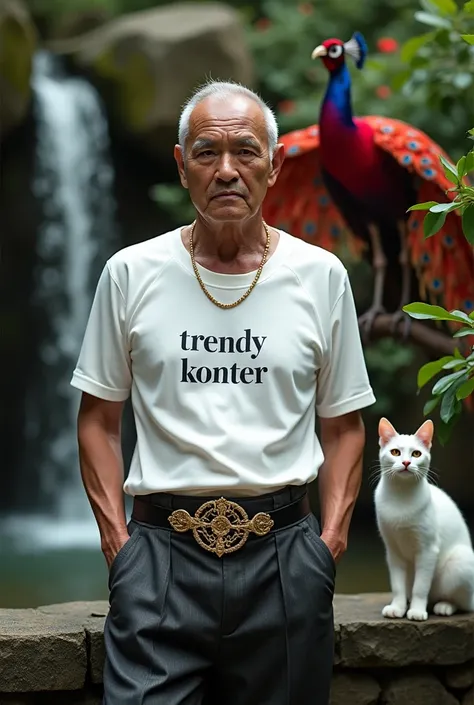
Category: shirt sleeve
[343,383]
[104,365]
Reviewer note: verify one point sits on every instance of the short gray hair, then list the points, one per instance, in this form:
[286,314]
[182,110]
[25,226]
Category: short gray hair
[225,89]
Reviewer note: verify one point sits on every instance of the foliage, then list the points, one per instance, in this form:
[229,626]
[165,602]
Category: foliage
[462,202]
[458,383]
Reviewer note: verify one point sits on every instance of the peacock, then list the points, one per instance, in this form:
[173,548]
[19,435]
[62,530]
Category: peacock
[349,181]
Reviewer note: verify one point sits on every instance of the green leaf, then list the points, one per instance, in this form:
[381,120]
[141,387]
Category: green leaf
[447,7]
[463,332]
[432,20]
[468,224]
[423,311]
[469,7]
[469,38]
[449,170]
[462,315]
[452,364]
[465,390]
[449,406]
[446,382]
[458,355]
[460,167]
[432,223]
[430,405]
[423,206]
[469,166]
[413,45]
[444,207]
[430,369]
[471,315]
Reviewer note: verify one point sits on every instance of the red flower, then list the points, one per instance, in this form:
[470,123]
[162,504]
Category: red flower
[263,24]
[384,92]
[287,106]
[306,8]
[387,45]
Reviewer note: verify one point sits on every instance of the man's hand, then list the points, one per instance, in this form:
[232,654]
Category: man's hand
[336,544]
[111,548]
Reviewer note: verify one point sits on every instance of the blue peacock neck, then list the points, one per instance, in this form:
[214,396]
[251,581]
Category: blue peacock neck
[337,105]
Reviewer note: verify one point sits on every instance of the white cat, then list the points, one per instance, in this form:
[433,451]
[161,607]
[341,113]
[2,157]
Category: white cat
[428,547]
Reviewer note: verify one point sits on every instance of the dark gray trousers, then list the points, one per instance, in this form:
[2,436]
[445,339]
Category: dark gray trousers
[254,627]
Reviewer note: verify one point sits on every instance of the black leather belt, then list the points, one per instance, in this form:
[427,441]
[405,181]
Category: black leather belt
[220,525]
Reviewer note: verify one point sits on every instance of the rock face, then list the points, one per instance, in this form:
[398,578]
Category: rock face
[354,688]
[54,655]
[417,690]
[146,64]
[368,640]
[17,46]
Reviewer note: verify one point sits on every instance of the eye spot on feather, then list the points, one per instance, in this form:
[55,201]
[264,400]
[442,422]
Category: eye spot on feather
[437,285]
[317,181]
[448,240]
[425,161]
[406,159]
[293,150]
[425,258]
[335,231]
[414,224]
[429,173]
[469,305]
[314,131]
[323,201]
[386,129]
[413,145]
[310,227]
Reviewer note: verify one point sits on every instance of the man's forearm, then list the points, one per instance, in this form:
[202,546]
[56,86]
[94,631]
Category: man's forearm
[101,464]
[339,482]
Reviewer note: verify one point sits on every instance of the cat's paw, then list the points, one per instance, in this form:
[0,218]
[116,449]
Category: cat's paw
[417,615]
[444,609]
[394,611]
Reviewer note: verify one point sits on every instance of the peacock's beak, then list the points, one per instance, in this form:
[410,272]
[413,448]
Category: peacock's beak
[319,51]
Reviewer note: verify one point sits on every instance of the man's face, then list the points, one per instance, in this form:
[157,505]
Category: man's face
[226,163]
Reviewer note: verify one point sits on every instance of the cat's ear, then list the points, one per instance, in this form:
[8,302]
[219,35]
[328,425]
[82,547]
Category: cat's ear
[425,433]
[386,431]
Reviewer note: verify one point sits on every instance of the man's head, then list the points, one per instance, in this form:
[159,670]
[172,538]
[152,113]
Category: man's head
[227,154]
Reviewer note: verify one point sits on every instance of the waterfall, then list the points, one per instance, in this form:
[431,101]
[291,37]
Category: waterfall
[73,180]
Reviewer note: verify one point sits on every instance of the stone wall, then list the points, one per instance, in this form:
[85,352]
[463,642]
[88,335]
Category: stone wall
[54,655]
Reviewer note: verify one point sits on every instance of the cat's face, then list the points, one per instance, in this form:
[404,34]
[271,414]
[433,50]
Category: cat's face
[402,455]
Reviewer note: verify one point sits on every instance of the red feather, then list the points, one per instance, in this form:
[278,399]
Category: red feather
[300,204]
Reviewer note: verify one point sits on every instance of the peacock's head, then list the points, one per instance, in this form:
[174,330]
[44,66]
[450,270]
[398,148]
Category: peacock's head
[332,52]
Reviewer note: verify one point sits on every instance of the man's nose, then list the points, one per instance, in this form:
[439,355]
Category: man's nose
[227,169]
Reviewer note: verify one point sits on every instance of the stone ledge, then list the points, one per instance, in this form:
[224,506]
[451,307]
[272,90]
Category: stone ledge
[60,647]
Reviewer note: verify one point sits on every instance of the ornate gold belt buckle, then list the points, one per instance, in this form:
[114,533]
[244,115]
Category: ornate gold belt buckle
[221,526]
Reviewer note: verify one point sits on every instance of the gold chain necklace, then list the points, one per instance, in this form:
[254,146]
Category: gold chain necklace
[252,285]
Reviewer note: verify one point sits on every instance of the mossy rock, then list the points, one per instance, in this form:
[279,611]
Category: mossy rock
[146,64]
[18,40]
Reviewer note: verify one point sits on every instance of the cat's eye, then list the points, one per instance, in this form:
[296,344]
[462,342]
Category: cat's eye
[416,453]
[395,451]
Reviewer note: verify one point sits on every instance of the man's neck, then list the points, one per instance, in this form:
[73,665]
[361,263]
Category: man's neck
[230,248]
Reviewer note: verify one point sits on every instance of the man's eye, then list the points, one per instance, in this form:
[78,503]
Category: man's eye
[206,153]
[246,152]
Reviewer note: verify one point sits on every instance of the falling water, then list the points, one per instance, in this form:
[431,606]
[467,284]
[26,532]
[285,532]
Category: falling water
[73,180]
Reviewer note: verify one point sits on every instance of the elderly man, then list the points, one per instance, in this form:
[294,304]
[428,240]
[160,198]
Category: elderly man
[230,336]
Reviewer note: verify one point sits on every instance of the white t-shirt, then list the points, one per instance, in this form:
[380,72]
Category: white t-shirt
[224,400]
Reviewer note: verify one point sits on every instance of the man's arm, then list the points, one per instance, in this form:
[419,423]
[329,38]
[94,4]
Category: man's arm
[342,439]
[100,454]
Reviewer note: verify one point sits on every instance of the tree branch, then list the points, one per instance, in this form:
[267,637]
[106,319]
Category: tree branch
[432,341]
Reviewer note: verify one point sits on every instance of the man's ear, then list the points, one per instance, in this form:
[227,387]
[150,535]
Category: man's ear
[277,163]
[179,157]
